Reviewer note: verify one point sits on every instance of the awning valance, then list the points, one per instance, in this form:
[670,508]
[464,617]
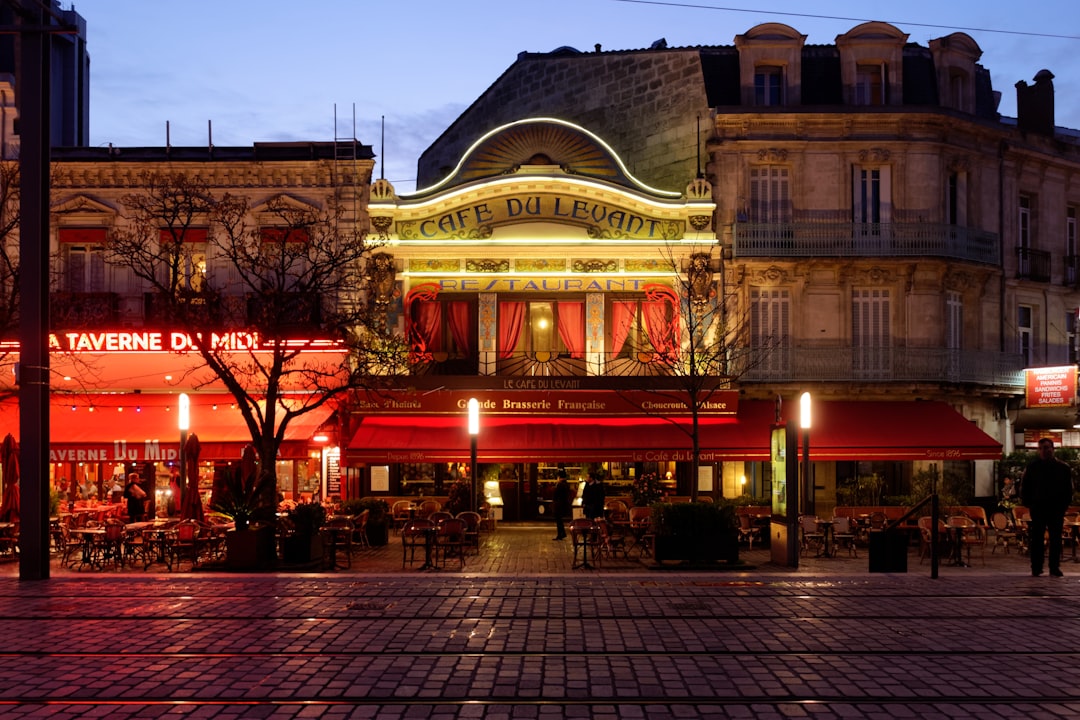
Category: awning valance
[144,427]
[842,430]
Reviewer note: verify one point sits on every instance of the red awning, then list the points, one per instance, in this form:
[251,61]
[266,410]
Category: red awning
[841,431]
[135,428]
[903,430]
[444,438]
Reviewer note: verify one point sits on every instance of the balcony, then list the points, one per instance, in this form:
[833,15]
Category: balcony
[885,365]
[70,310]
[834,239]
[1072,271]
[1032,264]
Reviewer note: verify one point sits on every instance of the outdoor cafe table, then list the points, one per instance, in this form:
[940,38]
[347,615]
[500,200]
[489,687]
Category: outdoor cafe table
[827,541]
[158,531]
[90,538]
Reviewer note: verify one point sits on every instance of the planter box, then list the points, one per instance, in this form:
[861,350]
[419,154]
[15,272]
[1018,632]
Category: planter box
[302,549]
[378,534]
[699,548]
[250,550]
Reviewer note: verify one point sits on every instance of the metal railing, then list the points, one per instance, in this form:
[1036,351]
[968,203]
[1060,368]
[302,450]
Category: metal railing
[1032,264]
[883,364]
[837,239]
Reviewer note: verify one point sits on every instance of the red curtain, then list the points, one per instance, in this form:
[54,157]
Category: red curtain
[427,326]
[622,319]
[572,327]
[460,326]
[657,326]
[511,320]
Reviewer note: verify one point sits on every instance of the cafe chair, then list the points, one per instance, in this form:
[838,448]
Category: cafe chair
[812,536]
[844,534]
[415,534]
[748,531]
[641,529]
[401,512]
[612,540]
[450,541]
[972,535]
[111,544]
[925,524]
[584,537]
[1004,536]
[427,507]
[360,537]
[439,515]
[135,544]
[472,529]
[185,544]
[338,538]
[69,545]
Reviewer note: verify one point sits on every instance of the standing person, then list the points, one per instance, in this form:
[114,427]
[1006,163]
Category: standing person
[135,496]
[561,504]
[592,498]
[1047,491]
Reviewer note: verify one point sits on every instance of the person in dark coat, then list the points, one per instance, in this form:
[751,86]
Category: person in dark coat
[561,504]
[135,498]
[1046,491]
[592,498]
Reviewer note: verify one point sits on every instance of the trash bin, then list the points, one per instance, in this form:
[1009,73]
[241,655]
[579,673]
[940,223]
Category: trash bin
[888,551]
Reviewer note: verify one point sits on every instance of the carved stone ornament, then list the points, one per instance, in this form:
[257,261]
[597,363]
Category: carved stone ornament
[699,189]
[700,222]
[958,281]
[772,155]
[487,265]
[382,225]
[594,266]
[877,155]
[699,277]
[772,275]
[382,190]
[960,164]
[382,277]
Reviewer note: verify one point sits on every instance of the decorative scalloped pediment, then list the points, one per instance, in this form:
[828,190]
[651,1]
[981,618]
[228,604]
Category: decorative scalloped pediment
[81,204]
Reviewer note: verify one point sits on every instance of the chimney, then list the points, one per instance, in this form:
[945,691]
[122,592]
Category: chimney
[1035,104]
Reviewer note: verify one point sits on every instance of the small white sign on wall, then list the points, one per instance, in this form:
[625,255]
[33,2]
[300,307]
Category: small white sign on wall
[380,478]
[705,478]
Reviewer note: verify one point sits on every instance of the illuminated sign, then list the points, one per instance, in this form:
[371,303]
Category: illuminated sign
[178,342]
[1050,387]
[550,284]
[117,451]
[609,220]
[534,401]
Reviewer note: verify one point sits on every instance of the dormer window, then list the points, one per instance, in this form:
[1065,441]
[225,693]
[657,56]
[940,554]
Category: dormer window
[769,86]
[870,85]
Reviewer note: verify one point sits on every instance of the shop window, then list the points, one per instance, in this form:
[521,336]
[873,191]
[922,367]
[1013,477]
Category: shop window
[646,329]
[541,336]
[443,334]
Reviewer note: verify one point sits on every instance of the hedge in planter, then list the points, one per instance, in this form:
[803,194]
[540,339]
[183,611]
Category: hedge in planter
[696,533]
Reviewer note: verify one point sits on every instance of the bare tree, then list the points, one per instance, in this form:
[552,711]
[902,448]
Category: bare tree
[259,291]
[694,339]
[9,274]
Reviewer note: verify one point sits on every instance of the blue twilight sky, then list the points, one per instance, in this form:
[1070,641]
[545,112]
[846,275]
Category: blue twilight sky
[274,70]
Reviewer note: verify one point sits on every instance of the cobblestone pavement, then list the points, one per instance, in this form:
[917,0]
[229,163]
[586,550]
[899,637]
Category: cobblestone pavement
[519,634]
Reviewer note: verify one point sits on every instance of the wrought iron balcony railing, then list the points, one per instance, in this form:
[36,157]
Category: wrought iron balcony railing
[884,364]
[1032,264]
[779,364]
[835,239]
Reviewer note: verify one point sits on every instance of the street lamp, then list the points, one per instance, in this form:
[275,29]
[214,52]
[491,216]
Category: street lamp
[183,420]
[474,430]
[808,479]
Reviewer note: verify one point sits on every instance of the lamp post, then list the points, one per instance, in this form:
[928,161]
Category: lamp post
[183,420]
[474,430]
[808,473]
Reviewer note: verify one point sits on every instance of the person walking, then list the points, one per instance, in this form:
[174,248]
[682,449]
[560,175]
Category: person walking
[561,504]
[135,496]
[1046,491]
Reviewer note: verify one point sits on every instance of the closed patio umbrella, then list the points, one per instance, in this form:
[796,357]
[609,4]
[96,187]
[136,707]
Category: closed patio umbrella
[9,464]
[192,508]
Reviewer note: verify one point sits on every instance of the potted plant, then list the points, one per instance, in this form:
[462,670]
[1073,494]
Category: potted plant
[304,544]
[696,534]
[247,501]
[458,497]
[646,490]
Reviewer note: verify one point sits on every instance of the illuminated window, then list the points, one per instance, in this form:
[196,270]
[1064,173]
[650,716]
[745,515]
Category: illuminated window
[870,85]
[769,85]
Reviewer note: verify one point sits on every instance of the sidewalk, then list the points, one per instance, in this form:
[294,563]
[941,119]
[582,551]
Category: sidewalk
[518,634]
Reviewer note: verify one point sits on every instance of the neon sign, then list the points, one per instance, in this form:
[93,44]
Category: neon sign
[172,341]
